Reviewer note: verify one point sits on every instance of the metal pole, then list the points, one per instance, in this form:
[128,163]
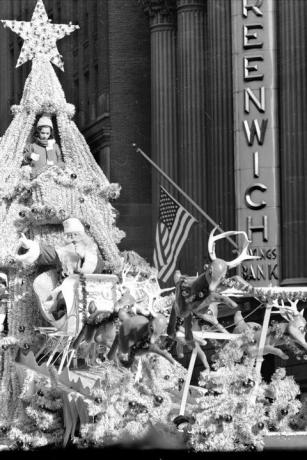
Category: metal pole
[263,335]
[199,209]
[188,381]
[259,358]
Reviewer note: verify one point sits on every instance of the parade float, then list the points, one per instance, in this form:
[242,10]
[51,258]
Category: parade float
[89,341]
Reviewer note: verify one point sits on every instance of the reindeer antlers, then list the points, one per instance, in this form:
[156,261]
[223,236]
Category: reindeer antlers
[243,256]
[286,311]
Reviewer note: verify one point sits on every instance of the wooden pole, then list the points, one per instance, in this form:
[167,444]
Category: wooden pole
[199,209]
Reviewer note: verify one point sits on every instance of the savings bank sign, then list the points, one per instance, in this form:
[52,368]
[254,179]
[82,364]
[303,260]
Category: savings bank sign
[255,135]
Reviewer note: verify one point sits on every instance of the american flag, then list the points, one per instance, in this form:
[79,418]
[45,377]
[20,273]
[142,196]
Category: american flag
[171,233]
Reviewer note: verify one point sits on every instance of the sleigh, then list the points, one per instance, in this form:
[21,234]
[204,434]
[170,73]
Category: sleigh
[71,299]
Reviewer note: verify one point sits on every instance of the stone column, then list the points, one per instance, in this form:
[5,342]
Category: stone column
[191,122]
[164,150]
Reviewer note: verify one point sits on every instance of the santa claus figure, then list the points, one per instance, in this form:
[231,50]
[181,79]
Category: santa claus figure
[80,254]
[56,295]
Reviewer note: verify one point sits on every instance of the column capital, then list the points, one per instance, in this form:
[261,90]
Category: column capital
[190,5]
[153,7]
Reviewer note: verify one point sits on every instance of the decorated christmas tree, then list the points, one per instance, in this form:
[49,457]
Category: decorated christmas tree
[41,423]
[237,407]
[135,412]
[44,182]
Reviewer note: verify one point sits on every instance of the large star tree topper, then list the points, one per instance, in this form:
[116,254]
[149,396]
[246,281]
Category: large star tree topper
[40,36]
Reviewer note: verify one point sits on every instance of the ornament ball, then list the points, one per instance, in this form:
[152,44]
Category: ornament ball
[92,308]
[158,400]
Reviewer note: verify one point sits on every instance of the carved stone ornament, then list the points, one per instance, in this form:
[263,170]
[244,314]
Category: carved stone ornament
[153,7]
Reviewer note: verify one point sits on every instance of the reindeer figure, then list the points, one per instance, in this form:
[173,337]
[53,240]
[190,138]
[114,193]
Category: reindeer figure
[294,326]
[194,295]
[136,296]
[138,335]
[98,329]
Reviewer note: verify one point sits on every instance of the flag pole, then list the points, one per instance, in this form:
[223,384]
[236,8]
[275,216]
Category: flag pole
[199,209]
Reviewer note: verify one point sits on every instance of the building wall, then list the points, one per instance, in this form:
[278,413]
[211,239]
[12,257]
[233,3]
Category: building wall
[129,73]
[192,139]
[219,119]
[292,66]
[210,181]
[291,61]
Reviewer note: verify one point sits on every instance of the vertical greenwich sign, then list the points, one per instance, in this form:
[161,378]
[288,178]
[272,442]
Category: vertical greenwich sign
[255,135]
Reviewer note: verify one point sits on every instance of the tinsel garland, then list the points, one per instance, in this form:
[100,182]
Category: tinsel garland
[122,410]
[138,264]
[52,107]
[11,150]
[42,422]
[23,316]
[233,414]
[84,297]
[35,439]
[265,296]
